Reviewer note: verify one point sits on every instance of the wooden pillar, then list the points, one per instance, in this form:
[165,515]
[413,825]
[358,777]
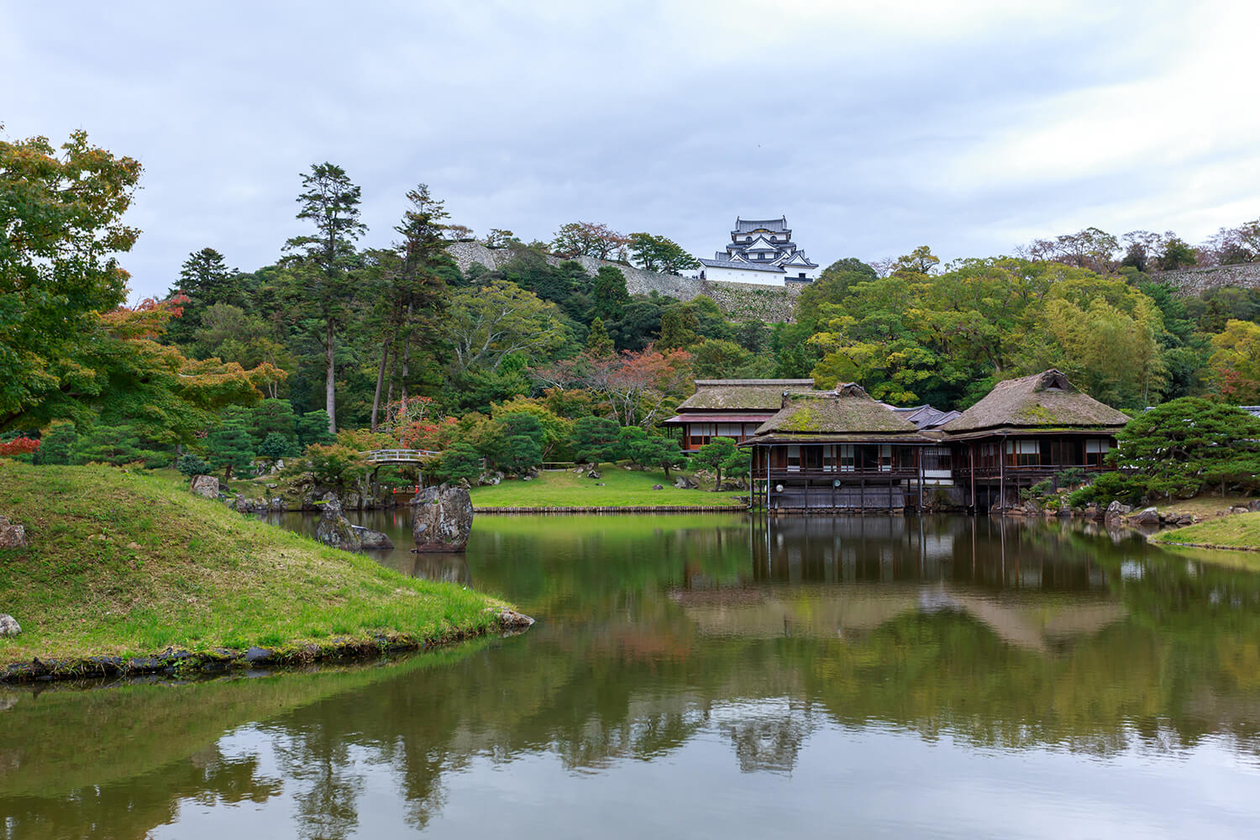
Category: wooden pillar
[1002,474]
[971,454]
[920,471]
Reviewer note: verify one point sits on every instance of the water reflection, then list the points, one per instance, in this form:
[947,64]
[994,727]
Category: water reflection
[736,648]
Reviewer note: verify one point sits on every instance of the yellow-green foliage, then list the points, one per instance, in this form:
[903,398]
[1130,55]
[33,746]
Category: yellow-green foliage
[130,563]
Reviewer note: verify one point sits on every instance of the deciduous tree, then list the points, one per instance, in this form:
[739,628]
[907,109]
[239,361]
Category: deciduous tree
[61,230]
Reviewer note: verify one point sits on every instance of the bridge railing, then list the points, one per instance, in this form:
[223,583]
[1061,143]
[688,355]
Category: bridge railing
[400,455]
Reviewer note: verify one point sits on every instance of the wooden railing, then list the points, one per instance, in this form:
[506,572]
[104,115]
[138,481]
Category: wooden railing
[399,456]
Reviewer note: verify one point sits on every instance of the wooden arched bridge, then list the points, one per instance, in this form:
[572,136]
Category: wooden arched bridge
[377,457]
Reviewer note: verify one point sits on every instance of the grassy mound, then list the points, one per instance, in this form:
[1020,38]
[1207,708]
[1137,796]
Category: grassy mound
[621,488]
[124,564]
[1239,531]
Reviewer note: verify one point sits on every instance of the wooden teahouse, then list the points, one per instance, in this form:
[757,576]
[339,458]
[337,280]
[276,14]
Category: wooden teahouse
[1027,430]
[732,408]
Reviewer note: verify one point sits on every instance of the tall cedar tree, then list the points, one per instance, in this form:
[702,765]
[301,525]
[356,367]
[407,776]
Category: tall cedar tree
[325,286]
[416,296]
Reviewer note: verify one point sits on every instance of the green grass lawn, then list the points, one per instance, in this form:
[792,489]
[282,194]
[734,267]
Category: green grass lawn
[124,563]
[1239,531]
[622,488]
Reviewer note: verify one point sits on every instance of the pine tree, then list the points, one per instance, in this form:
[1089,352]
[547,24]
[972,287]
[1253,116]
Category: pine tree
[324,284]
[57,443]
[230,447]
[598,344]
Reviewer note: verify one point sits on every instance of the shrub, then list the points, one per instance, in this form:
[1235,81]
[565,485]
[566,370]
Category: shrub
[460,461]
[115,445]
[191,464]
[276,446]
[336,464]
[57,443]
[519,454]
[1109,487]
[595,439]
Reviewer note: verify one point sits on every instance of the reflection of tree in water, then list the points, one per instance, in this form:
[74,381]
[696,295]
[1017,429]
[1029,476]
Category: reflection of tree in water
[320,758]
[768,740]
[130,809]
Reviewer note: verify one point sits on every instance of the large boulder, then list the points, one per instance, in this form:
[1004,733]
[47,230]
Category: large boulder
[334,529]
[205,485]
[370,540]
[1116,511]
[11,535]
[441,518]
[683,483]
[1147,516]
[9,625]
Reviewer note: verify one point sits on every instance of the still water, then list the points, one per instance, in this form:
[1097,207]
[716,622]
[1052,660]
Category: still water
[711,676]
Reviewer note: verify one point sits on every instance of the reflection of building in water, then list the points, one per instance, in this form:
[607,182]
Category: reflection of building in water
[767,735]
[995,571]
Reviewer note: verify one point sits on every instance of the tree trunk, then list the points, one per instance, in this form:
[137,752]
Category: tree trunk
[717,483]
[406,359]
[380,378]
[330,380]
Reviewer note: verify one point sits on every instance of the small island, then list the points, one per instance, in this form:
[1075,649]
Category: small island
[127,572]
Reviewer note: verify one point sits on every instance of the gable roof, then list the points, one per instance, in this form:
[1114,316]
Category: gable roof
[748,225]
[846,410]
[1043,400]
[742,394]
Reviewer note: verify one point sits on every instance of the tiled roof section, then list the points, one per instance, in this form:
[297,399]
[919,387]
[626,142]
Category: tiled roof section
[925,416]
[746,225]
[847,410]
[743,266]
[1043,400]
[742,394]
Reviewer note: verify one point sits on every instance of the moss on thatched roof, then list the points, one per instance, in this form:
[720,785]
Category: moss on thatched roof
[1043,400]
[847,410]
[742,394]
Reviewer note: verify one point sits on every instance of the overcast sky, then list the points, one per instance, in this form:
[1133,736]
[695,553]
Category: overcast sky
[875,127]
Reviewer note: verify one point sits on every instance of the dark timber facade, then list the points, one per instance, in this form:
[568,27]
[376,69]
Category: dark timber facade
[843,450]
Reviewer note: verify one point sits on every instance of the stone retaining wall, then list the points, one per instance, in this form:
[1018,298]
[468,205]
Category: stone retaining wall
[737,301]
[1194,281]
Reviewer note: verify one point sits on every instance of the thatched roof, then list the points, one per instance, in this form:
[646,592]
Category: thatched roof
[1045,400]
[848,410]
[742,394]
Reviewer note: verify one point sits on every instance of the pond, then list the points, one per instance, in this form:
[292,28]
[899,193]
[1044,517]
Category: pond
[710,676]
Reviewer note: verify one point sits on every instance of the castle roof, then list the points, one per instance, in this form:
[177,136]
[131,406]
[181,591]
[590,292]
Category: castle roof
[742,265]
[747,225]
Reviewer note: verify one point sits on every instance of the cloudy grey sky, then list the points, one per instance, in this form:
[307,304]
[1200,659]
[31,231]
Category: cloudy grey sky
[875,127]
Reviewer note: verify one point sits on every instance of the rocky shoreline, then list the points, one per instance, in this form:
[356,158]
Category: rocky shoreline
[177,663]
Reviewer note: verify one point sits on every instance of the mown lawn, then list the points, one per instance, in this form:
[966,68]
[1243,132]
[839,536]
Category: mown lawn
[125,563]
[621,488]
[1239,531]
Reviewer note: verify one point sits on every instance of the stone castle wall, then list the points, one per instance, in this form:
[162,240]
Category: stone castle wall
[1194,281]
[738,301]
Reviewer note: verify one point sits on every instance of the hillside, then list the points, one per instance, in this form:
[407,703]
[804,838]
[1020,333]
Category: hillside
[129,564]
